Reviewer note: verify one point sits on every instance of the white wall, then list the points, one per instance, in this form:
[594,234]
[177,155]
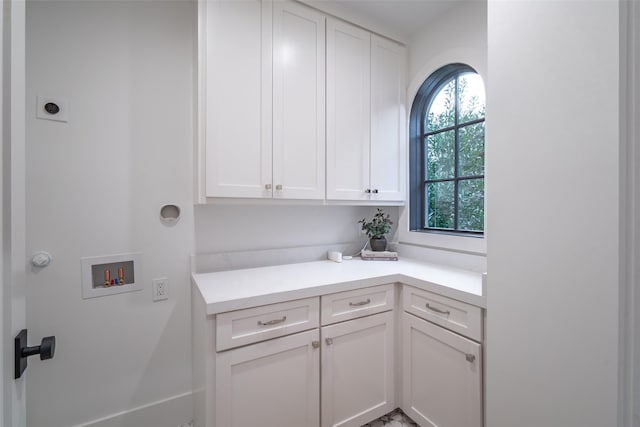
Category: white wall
[553,195]
[94,187]
[221,228]
[460,35]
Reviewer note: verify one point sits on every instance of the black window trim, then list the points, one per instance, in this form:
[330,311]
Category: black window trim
[421,104]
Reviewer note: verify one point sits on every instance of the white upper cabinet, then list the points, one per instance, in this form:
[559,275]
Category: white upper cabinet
[365,115]
[298,101]
[293,107]
[388,119]
[236,75]
[348,111]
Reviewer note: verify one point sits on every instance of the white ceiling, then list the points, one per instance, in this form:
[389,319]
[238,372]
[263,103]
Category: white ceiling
[401,18]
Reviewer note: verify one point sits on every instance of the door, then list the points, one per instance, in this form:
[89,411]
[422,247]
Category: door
[299,102]
[12,178]
[237,104]
[348,111]
[442,379]
[358,370]
[388,120]
[274,383]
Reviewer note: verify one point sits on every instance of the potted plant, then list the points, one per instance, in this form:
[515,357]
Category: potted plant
[376,229]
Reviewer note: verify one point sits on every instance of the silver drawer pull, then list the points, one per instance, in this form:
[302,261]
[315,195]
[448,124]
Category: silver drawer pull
[315,344]
[470,357]
[357,304]
[437,310]
[272,322]
[329,341]
[267,186]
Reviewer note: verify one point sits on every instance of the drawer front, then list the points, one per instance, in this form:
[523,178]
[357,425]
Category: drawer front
[357,303]
[454,315]
[242,327]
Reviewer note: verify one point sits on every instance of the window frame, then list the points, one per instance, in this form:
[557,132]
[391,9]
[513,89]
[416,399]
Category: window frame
[417,156]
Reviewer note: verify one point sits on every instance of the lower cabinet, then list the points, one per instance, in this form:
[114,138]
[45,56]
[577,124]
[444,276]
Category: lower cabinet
[332,361]
[274,383]
[442,376]
[358,370]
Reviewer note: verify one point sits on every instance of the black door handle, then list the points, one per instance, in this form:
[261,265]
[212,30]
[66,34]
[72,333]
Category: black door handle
[46,350]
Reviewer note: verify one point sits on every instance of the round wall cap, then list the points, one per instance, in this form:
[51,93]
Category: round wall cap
[169,214]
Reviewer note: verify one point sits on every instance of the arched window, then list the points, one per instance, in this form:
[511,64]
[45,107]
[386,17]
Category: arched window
[447,152]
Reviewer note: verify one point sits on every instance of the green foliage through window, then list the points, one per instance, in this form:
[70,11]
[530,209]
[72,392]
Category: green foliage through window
[448,136]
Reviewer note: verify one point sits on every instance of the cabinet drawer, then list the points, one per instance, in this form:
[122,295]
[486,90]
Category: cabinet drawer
[242,327]
[357,303]
[457,316]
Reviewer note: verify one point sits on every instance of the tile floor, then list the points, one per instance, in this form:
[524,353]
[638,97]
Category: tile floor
[395,418]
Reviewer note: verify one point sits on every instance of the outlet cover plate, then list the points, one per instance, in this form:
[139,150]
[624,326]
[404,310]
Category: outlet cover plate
[160,289]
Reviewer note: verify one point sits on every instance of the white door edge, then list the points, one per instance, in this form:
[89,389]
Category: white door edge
[629,346]
[13,269]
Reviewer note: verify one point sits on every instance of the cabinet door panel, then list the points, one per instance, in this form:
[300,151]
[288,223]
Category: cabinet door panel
[237,80]
[388,144]
[358,370]
[299,102]
[348,110]
[271,384]
[442,379]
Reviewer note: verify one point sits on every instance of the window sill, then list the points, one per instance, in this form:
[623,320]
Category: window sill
[469,244]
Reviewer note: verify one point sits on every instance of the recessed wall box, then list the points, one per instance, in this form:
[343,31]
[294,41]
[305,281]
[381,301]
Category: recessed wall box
[169,214]
[111,274]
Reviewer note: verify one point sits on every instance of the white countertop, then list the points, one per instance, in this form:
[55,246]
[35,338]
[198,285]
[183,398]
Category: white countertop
[232,290]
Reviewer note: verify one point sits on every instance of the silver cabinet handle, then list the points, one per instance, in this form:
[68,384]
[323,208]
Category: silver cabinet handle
[470,357]
[329,341]
[356,304]
[279,187]
[437,310]
[272,322]
[315,344]
[267,186]
[368,191]
[375,191]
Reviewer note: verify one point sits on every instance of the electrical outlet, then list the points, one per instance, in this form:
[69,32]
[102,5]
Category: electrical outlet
[160,289]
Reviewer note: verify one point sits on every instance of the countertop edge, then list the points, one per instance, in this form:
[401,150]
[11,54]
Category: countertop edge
[243,302]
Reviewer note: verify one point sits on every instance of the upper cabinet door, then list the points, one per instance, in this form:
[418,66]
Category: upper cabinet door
[237,77]
[388,120]
[348,111]
[299,102]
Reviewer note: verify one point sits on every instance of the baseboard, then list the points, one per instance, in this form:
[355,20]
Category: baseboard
[176,411]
